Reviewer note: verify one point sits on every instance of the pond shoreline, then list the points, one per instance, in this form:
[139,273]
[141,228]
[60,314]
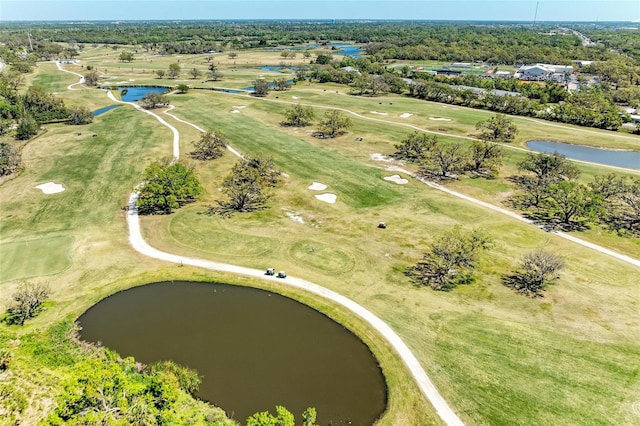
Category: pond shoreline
[626,159]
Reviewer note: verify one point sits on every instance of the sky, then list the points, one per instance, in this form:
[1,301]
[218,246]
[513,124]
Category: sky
[476,10]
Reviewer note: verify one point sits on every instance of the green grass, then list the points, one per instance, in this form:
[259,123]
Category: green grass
[50,79]
[498,358]
[485,355]
[32,258]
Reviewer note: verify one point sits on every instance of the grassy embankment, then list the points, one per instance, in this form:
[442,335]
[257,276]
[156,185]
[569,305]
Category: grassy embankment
[497,357]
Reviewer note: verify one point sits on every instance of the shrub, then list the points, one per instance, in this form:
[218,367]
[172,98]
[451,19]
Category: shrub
[538,269]
[27,302]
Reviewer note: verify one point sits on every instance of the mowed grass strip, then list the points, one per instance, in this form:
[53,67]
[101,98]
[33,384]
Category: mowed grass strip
[565,381]
[96,172]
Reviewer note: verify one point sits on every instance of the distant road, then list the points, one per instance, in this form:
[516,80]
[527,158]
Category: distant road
[586,41]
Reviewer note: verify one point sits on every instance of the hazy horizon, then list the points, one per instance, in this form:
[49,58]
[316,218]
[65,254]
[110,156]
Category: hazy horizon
[539,11]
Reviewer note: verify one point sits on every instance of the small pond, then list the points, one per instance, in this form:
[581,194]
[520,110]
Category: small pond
[104,109]
[347,50]
[626,159]
[254,349]
[216,89]
[135,93]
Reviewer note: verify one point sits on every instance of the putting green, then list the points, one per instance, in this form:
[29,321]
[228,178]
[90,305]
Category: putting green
[208,234]
[321,257]
[34,257]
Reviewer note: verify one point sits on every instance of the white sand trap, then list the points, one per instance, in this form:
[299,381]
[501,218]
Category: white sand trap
[295,97]
[379,157]
[317,186]
[405,115]
[50,188]
[397,179]
[379,113]
[327,198]
[295,217]
[132,79]
[235,111]
[439,119]
[239,107]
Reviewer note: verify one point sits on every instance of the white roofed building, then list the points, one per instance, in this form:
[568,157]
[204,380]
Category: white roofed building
[543,71]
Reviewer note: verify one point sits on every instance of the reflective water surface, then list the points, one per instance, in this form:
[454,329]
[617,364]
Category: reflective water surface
[254,349]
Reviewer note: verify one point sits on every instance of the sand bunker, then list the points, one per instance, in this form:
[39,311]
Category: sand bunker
[327,198]
[405,115]
[50,187]
[439,119]
[295,217]
[379,157]
[379,113]
[235,111]
[239,107]
[317,186]
[295,97]
[397,179]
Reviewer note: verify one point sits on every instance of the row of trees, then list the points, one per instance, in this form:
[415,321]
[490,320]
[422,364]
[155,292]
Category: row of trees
[26,112]
[496,43]
[175,70]
[333,122]
[444,161]
[590,107]
[453,257]
[550,192]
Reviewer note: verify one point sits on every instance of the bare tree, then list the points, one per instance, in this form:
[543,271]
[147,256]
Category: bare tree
[451,259]
[195,72]
[27,302]
[538,269]
[210,146]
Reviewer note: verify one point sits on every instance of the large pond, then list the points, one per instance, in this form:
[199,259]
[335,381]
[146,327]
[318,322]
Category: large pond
[345,49]
[254,349]
[626,159]
[135,93]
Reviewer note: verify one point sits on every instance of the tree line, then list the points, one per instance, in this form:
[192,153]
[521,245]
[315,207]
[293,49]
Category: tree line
[496,43]
[591,107]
